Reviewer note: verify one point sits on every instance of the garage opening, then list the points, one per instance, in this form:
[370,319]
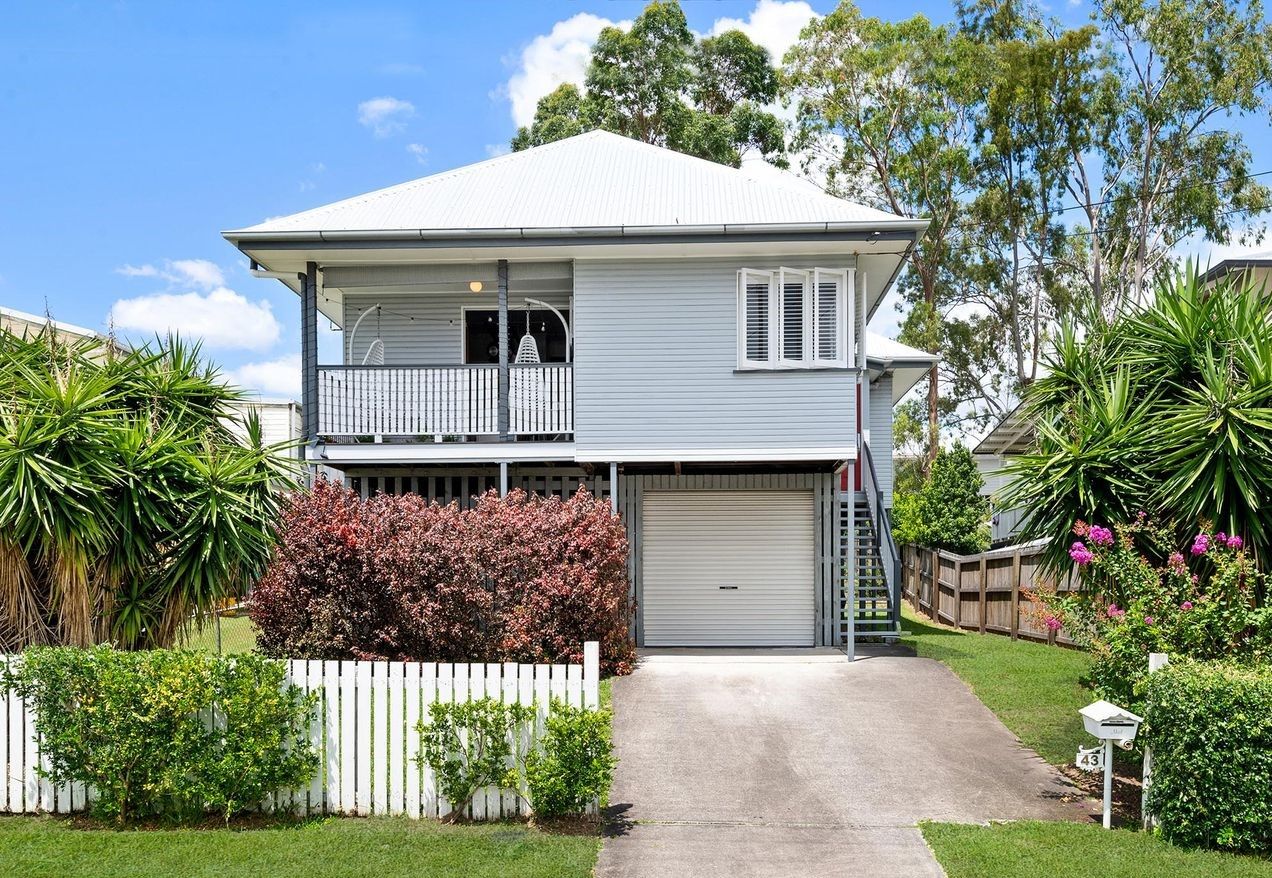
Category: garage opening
[728,568]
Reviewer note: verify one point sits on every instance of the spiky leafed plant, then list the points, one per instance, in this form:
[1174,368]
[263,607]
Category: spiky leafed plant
[1165,410]
[127,502]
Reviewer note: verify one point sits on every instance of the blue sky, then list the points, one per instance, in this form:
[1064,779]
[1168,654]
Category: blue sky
[135,132]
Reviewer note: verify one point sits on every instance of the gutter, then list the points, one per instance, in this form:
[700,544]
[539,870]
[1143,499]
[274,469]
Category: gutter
[888,230]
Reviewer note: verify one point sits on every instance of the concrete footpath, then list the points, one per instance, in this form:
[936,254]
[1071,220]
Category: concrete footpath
[794,764]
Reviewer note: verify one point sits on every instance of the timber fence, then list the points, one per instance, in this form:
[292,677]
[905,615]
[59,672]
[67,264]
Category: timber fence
[364,731]
[983,592]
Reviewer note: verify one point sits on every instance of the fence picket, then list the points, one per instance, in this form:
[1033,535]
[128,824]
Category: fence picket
[363,730]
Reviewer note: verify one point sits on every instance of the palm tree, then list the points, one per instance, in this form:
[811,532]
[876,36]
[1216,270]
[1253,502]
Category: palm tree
[127,501]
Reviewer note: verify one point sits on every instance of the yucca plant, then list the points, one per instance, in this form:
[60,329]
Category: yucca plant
[1166,410]
[127,502]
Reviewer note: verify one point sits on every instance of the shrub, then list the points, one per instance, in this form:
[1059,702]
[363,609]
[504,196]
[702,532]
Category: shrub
[573,764]
[1200,603]
[520,578]
[1210,726]
[166,733]
[469,745]
[948,512]
[1167,407]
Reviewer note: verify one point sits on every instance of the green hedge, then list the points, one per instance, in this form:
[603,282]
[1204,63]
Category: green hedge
[167,733]
[1210,726]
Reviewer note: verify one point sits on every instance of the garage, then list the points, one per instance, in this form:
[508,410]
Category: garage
[728,568]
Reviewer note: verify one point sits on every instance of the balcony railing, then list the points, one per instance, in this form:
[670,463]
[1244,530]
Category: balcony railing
[444,400]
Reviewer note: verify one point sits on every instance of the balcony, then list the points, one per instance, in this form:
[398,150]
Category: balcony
[432,403]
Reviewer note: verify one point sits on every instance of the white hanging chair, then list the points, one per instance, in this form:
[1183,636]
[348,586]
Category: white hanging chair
[528,348]
[526,385]
[375,354]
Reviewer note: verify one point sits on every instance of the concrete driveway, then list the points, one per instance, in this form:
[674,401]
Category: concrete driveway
[802,764]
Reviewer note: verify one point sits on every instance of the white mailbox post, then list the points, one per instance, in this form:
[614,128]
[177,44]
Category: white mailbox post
[1112,725]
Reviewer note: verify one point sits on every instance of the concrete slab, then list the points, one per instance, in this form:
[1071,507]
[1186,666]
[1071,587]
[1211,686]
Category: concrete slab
[720,756]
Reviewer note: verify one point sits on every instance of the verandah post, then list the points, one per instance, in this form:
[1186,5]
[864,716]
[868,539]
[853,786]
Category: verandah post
[503,350]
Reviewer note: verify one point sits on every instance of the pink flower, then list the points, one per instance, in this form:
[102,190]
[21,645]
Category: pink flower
[1114,612]
[1080,554]
[1081,528]
[1201,543]
[1101,536]
[1148,620]
[1176,563]
[1186,605]
[1053,624]
[1234,542]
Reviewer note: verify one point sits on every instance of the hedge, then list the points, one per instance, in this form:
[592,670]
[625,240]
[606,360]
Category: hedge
[167,733]
[519,578]
[1210,726]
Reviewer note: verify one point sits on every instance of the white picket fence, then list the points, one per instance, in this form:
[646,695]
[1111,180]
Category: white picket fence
[364,730]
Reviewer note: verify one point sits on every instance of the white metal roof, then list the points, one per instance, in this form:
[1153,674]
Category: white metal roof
[908,365]
[18,321]
[596,180]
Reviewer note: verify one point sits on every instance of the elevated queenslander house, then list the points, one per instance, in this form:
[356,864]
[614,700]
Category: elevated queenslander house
[685,338]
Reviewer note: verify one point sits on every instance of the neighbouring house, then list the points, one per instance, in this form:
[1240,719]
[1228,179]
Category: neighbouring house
[25,325]
[1256,267]
[1012,436]
[685,338]
[281,421]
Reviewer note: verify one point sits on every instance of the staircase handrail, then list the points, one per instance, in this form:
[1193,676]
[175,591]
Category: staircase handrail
[891,555]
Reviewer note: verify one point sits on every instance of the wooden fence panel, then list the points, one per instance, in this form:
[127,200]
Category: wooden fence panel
[364,730]
[985,592]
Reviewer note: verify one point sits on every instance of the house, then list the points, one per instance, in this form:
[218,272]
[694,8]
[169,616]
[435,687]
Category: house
[281,421]
[685,338]
[25,325]
[1256,267]
[1013,435]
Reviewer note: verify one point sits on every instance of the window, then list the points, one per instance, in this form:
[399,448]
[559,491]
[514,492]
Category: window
[794,318]
[481,334]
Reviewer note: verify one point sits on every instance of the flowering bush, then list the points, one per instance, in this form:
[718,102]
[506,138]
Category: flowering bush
[1200,605]
[521,578]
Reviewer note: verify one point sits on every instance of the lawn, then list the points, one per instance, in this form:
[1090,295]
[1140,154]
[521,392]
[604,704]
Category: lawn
[237,635]
[1033,688]
[1075,850]
[334,848]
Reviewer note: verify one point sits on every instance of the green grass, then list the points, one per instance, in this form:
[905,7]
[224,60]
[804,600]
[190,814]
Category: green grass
[1075,850]
[1032,687]
[336,848]
[237,635]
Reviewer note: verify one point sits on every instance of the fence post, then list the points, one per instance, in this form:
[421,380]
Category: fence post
[936,586]
[592,674]
[958,591]
[1015,595]
[984,578]
[1156,661]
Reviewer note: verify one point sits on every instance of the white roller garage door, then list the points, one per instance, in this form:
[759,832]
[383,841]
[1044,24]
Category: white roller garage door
[728,568]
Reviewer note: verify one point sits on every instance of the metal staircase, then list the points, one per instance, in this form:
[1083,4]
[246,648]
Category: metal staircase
[874,616]
[869,553]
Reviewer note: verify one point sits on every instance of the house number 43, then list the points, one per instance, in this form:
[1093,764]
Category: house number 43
[1091,758]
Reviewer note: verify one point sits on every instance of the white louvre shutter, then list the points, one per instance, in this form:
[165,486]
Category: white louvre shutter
[830,316]
[794,316]
[755,318]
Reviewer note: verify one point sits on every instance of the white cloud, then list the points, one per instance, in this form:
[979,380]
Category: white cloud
[420,151]
[495,150]
[552,59]
[200,273]
[146,270]
[773,24]
[221,317]
[385,115]
[278,377]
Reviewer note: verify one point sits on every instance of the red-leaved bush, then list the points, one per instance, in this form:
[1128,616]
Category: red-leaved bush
[519,579]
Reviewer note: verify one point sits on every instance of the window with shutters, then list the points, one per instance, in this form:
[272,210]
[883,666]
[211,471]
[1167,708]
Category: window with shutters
[794,318]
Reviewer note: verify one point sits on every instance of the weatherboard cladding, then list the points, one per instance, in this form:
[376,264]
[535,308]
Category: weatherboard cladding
[656,367]
[880,418]
[594,180]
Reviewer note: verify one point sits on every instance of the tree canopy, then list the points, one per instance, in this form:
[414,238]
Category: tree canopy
[658,84]
[128,500]
[1060,167]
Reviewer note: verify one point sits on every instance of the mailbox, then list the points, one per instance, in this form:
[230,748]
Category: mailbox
[1108,722]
